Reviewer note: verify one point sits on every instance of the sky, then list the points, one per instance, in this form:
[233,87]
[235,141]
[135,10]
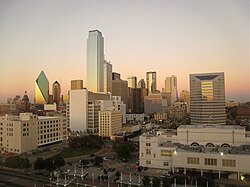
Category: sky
[171,37]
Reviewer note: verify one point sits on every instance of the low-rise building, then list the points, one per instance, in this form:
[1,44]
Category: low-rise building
[202,148]
[26,132]
[110,123]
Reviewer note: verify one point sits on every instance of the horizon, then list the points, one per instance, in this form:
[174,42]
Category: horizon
[169,37]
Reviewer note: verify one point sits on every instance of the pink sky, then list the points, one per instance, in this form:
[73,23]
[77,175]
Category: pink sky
[169,37]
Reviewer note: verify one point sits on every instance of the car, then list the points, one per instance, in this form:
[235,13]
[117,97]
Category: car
[92,155]
[145,168]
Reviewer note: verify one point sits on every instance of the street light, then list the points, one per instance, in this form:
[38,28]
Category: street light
[93,177]
[50,178]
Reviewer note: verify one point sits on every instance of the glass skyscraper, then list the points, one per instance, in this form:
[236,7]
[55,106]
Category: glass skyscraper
[41,89]
[171,88]
[151,81]
[207,99]
[95,61]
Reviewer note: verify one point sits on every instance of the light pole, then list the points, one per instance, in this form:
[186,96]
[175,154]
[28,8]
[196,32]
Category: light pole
[108,181]
[93,177]
[50,178]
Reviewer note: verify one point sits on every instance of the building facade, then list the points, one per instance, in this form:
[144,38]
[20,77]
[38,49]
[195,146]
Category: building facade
[41,89]
[107,76]
[95,61]
[56,91]
[151,81]
[217,149]
[110,123]
[171,88]
[207,99]
[26,132]
[132,82]
[76,85]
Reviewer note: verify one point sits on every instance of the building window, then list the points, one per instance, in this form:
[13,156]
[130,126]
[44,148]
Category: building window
[228,163]
[148,162]
[166,153]
[148,144]
[210,161]
[148,151]
[193,160]
[165,163]
[141,154]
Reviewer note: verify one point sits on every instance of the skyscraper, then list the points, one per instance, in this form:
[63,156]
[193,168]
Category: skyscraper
[41,89]
[207,99]
[107,76]
[76,84]
[151,81]
[132,82]
[95,61]
[56,91]
[171,88]
[141,84]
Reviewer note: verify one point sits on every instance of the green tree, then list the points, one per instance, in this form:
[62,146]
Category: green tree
[118,174]
[24,163]
[156,182]
[13,162]
[98,160]
[146,181]
[39,164]
[49,164]
[59,161]
[124,150]
[167,182]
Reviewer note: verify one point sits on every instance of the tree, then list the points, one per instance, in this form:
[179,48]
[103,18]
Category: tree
[156,182]
[39,164]
[117,174]
[59,161]
[146,181]
[98,160]
[24,163]
[124,150]
[84,162]
[13,162]
[49,164]
[167,182]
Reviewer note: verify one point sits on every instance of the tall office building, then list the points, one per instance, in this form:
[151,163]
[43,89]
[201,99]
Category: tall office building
[107,76]
[56,91]
[132,82]
[120,88]
[116,76]
[76,84]
[207,99]
[151,81]
[141,84]
[41,89]
[95,61]
[171,88]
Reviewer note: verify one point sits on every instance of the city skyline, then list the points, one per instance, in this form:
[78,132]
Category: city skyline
[175,38]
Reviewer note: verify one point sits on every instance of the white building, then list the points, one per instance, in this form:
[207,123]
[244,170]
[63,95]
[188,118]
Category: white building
[19,134]
[78,110]
[201,148]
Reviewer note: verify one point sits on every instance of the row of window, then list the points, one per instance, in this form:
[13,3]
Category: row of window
[47,122]
[48,126]
[211,161]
